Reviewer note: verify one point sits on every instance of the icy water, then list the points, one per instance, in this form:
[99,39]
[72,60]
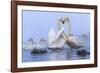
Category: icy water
[63,54]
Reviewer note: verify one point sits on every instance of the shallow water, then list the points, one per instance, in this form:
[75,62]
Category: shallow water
[53,55]
[63,54]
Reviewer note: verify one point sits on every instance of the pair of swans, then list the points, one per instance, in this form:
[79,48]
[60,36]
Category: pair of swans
[57,40]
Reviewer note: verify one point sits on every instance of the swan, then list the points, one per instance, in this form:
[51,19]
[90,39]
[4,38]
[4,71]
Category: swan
[55,40]
[73,42]
[58,39]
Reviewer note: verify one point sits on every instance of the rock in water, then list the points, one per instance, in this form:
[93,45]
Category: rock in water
[82,52]
[36,51]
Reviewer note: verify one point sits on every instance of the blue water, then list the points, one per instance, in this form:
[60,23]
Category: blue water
[59,55]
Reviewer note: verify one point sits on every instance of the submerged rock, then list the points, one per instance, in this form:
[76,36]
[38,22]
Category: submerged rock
[82,52]
[36,51]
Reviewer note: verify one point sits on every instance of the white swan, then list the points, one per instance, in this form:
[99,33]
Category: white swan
[55,39]
[58,39]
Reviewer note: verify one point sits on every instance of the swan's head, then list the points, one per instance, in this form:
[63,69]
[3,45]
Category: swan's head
[63,20]
[30,40]
[66,19]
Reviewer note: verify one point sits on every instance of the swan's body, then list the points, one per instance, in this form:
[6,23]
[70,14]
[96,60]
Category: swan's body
[74,43]
[59,39]
[55,39]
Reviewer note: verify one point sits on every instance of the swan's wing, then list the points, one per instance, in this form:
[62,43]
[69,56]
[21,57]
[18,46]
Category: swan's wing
[54,39]
[73,39]
[51,36]
[77,41]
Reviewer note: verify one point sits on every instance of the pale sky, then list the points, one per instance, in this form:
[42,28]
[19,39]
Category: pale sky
[37,24]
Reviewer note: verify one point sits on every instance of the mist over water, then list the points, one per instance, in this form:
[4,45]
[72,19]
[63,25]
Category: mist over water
[64,54]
